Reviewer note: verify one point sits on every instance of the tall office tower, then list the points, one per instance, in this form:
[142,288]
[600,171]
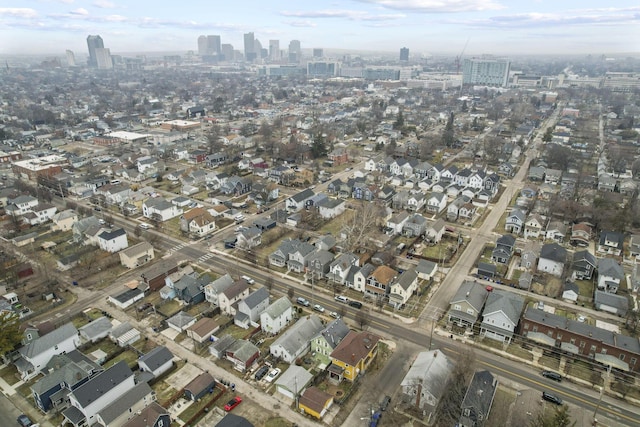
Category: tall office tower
[103,58]
[227,52]
[491,72]
[71,58]
[203,45]
[404,54]
[274,50]
[213,45]
[318,52]
[249,51]
[257,49]
[295,51]
[93,43]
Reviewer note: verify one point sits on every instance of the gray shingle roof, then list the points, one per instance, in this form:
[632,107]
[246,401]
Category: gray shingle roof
[472,292]
[156,357]
[92,390]
[510,304]
[124,402]
[335,332]
[49,340]
[278,307]
[256,297]
[300,334]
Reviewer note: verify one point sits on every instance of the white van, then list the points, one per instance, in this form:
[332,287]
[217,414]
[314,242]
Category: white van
[342,299]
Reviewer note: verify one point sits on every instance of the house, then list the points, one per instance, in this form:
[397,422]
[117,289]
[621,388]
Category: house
[453,210]
[610,275]
[583,265]
[328,339]
[331,208]
[137,255]
[529,255]
[570,292]
[466,304]
[533,226]
[181,321]
[340,266]
[353,356]
[319,264]
[125,406]
[361,276]
[96,330]
[552,259]
[113,240]
[315,402]
[126,298]
[298,201]
[634,246]
[157,361]
[63,221]
[248,238]
[580,234]
[35,355]
[436,202]
[198,222]
[379,282]
[154,276]
[242,354]
[435,230]
[487,270]
[504,249]
[295,342]
[426,269]
[124,334]
[601,345]
[536,173]
[153,415]
[403,288]
[415,225]
[88,400]
[229,297]
[203,329]
[199,387]
[515,221]
[500,315]
[159,209]
[293,381]
[252,306]
[213,290]
[614,304]
[556,230]
[477,402]
[610,243]
[427,380]
[276,316]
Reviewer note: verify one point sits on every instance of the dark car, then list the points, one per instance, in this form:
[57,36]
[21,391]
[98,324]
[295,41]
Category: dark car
[355,304]
[551,398]
[552,375]
[24,421]
[385,403]
[260,373]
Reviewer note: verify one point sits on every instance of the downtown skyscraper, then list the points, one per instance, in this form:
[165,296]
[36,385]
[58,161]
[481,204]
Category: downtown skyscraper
[93,43]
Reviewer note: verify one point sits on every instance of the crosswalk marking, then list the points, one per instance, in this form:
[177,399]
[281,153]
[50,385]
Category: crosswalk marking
[205,257]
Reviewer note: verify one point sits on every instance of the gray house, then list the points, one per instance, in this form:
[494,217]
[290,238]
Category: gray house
[253,305]
[466,304]
[477,402]
[501,315]
[295,342]
[611,303]
[427,380]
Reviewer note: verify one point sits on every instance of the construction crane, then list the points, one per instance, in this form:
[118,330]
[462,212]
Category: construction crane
[459,57]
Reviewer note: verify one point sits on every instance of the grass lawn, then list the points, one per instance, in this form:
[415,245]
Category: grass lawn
[520,352]
[583,371]
[585,288]
[106,345]
[334,226]
[236,331]
[277,422]
[549,362]
[164,392]
[197,406]
[129,356]
[169,308]
[10,374]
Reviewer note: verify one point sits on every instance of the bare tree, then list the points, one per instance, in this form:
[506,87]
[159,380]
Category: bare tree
[363,318]
[451,402]
[359,226]
[291,292]
[268,283]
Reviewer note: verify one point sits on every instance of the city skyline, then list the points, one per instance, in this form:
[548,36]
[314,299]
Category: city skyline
[424,26]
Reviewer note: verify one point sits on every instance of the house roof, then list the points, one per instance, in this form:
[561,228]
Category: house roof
[238,287]
[299,334]
[294,377]
[384,274]
[243,350]
[48,341]
[135,250]
[335,332]
[472,292]
[480,395]
[96,327]
[93,389]
[181,319]
[303,195]
[156,357]
[407,278]
[112,234]
[256,297]
[200,383]
[612,236]
[610,267]
[315,399]
[147,416]
[553,252]
[585,255]
[426,267]
[355,347]
[506,240]
[124,402]
[510,304]
[621,303]
[432,369]
[278,307]
[121,329]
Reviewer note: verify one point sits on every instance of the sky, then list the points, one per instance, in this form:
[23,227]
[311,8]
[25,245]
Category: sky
[498,27]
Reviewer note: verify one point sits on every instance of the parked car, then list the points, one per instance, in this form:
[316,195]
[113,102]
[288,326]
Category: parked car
[552,375]
[342,299]
[319,308]
[232,403]
[273,375]
[303,301]
[355,304]
[260,373]
[551,398]
[385,403]
[24,421]
[334,314]
[249,280]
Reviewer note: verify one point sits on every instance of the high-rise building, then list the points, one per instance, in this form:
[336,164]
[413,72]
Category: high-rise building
[274,50]
[318,52]
[71,58]
[203,46]
[103,58]
[227,52]
[213,45]
[481,71]
[404,54]
[323,68]
[93,43]
[295,51]
[249,50]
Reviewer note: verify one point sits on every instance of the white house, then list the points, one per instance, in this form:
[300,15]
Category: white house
[295,342]
[403,288]
[35,355]
[436,202]
[160,209]
[552,259]
[427,380]
[610,275]
[157,361]
[276,316]
[113,240]
[500,315]
[331,208]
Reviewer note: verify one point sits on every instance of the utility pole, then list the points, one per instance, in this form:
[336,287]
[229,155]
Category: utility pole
[606,380]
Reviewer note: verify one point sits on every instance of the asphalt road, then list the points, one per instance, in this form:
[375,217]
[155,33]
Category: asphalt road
[8,412]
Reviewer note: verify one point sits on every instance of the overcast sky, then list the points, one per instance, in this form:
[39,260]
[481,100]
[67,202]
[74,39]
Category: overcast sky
[424,26]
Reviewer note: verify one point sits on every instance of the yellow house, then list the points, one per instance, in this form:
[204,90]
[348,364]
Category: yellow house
[353,355]
[315,402]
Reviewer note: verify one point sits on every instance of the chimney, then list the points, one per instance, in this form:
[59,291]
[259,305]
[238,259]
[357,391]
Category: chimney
[419,394]
[435,354]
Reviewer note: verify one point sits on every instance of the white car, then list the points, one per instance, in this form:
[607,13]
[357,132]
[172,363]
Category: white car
[334,315]
[319,308]
[273,375]
[248,279]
